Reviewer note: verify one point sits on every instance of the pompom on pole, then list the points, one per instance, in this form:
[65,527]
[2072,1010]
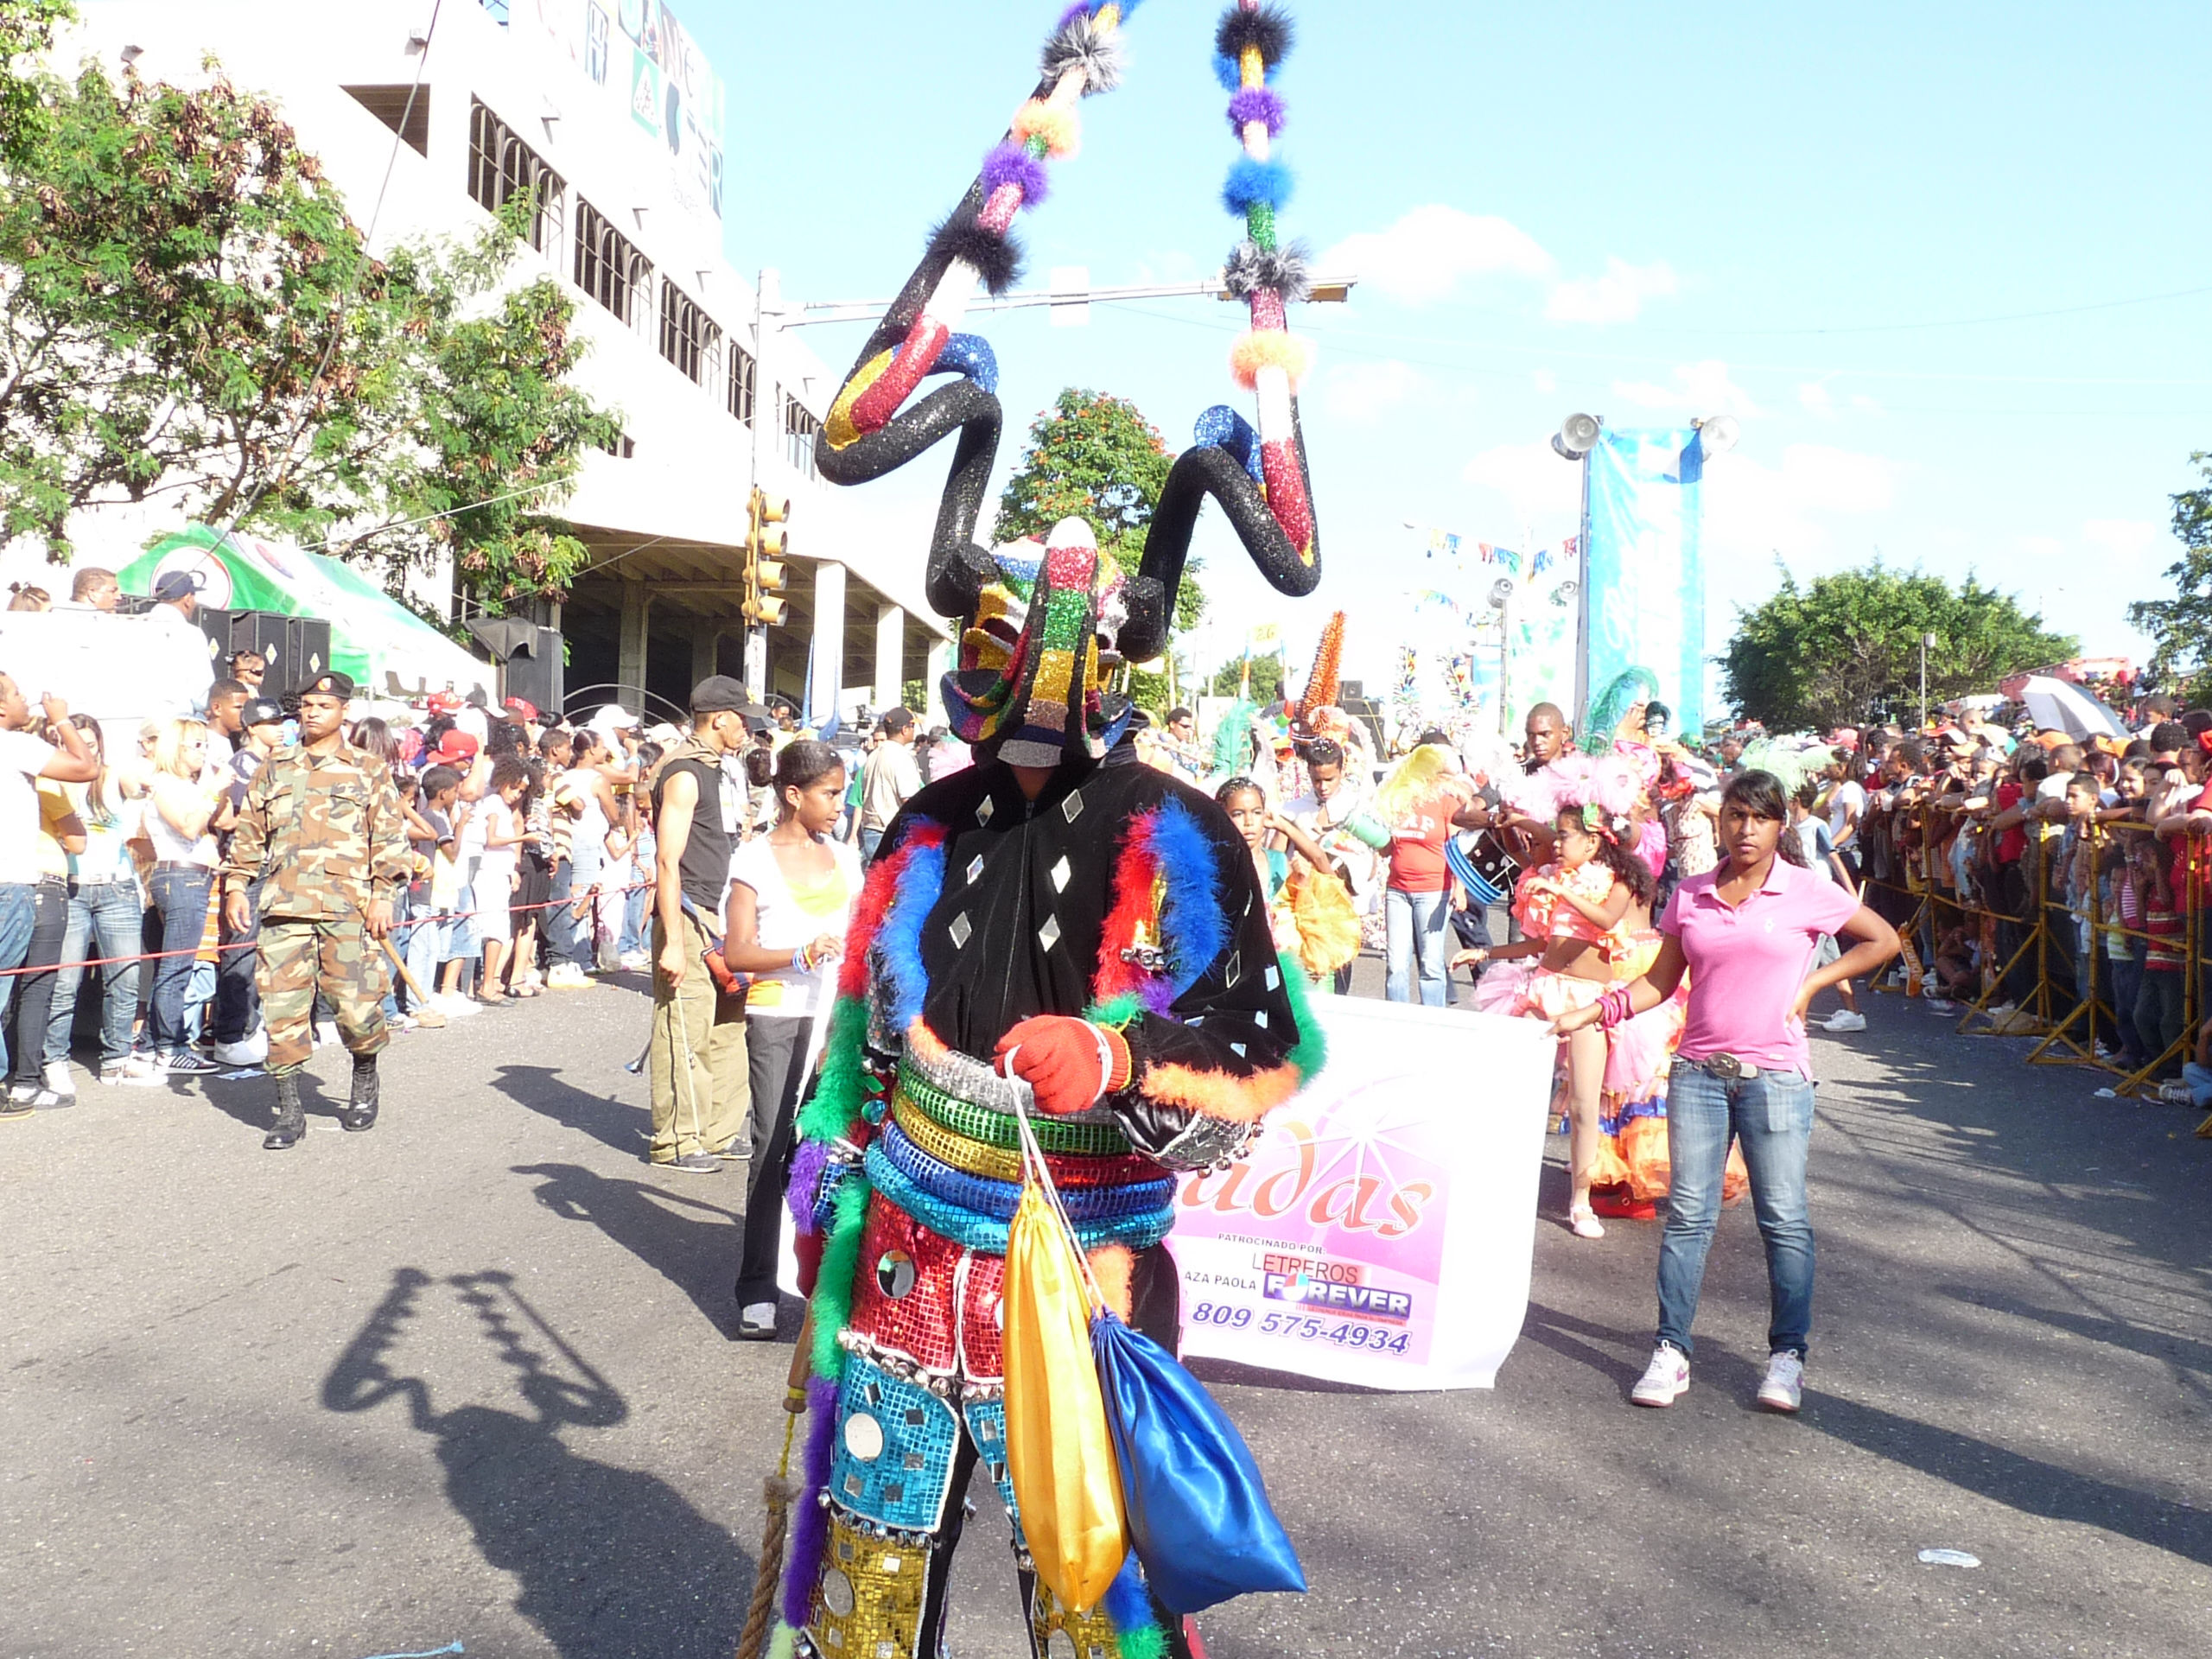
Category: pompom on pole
[1269,349]
[1058,129]
[1256,184]
[1012,164]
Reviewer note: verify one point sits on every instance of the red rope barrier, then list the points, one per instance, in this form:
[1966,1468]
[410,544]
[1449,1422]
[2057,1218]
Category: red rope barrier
[441,919]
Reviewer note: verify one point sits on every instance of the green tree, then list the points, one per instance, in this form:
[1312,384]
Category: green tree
[1095,457]
[1846,649]
[189,318]
[2180,626]
[494,429]
[1266,679]
[26,30]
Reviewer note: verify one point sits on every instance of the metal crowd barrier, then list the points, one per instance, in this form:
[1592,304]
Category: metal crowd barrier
[2062,985]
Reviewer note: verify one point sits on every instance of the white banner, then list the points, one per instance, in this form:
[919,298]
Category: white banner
[1382,1230]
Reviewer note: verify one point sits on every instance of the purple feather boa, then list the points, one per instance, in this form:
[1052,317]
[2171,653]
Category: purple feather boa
[807,1165]
[1012,164]
[810,1516]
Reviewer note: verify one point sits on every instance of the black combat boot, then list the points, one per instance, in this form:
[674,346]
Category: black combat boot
[291,1122]
[360,1111]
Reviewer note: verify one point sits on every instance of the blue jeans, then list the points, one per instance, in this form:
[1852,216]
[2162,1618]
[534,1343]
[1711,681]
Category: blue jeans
[561,927]
[1770,1116]
[180,898]
[104,921]
[1414,927]
[870,840]
[2198,1078]
[633,920]
[18,915]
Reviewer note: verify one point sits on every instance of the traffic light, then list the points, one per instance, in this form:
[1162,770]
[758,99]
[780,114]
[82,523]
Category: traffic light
[764,559]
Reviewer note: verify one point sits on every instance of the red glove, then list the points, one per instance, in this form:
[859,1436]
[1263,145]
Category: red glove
[1069,1063]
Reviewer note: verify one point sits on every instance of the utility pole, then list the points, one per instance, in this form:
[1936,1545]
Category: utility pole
[1926,641]
[764,306]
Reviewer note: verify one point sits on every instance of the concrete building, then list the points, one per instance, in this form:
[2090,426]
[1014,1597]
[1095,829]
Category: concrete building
[427,115]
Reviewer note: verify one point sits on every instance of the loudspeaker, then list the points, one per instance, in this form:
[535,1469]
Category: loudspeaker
[535,671]
[297,648]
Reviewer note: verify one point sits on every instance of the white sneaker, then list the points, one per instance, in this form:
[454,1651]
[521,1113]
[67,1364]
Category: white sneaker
[252,1049]
[567,976]
[60,1079]
[1845,1019]
[1784,1388]
[1664,1379]
[635,962]
[454,1006]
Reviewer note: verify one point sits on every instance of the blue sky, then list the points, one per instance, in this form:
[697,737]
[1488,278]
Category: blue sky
[1647,213]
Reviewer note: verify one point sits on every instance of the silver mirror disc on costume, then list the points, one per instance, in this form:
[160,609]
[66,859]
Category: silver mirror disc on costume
[863,1437]
[998,1312]
[895,1272]
[837,1594]
[1060,1645]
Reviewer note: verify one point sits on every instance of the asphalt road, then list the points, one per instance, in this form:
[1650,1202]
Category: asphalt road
[468,1379]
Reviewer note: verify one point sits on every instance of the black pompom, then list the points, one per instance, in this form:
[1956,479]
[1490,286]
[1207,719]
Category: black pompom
[997,258]
[1269,28]
[1079,44]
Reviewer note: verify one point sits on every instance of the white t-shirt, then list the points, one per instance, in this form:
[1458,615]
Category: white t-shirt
[172,845]
[890,779]
[23,757]
[784,920]
[1846,805]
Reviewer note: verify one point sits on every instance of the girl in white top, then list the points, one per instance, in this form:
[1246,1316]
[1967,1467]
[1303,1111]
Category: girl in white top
[184,804]
[492,893]
[791,896]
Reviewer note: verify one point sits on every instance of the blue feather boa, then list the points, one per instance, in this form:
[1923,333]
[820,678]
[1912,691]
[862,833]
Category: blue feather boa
[1191,925]
[899,940]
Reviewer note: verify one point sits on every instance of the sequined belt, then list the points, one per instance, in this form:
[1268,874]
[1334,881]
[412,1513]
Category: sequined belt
[997,1199]
[949,1145]
[994,1127]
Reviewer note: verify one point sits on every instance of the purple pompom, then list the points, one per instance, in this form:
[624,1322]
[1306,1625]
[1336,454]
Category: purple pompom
[809,1532]
[1081,9]
[1012,164]
[1256,103]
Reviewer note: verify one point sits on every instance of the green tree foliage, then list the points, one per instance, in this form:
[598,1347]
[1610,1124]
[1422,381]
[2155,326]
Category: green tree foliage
[26,29]
[2181,626]
[1266,679]
[190,319]
[1095,457]
[1846,649]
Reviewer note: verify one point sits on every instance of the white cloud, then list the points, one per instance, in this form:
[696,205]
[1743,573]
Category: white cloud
[1432,250]
[1541,490]
[1360,392]
[1616,296]
[2125,538]
[1699,388]
[1814,397]
[1753,510]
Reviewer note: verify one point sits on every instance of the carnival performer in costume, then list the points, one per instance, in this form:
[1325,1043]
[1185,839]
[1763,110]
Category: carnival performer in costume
[1572,912]
[1040,931]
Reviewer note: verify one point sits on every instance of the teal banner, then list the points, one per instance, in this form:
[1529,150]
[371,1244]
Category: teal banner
[1645,578]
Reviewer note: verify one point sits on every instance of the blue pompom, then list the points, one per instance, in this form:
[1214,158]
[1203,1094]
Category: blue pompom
[1226,72]
[1255,184]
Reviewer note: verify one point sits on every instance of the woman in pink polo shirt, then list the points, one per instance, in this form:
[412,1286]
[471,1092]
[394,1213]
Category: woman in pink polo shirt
[1746,934]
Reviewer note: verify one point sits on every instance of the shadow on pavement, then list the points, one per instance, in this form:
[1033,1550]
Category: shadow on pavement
[610,1559]
[690,1243]
[543,1088]
[2031,1486]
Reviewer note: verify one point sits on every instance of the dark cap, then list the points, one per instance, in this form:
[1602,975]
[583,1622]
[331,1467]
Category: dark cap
[718,694]
[175,585]
[330,684]
[263,711]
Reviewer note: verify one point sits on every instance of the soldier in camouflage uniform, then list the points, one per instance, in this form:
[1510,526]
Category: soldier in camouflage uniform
[322,831]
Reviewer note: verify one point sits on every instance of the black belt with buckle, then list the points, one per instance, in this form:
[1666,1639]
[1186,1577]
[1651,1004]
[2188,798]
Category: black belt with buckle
[1727,1067]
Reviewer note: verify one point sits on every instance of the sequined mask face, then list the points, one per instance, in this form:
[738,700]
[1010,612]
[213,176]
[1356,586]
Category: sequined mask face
[1035,651]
